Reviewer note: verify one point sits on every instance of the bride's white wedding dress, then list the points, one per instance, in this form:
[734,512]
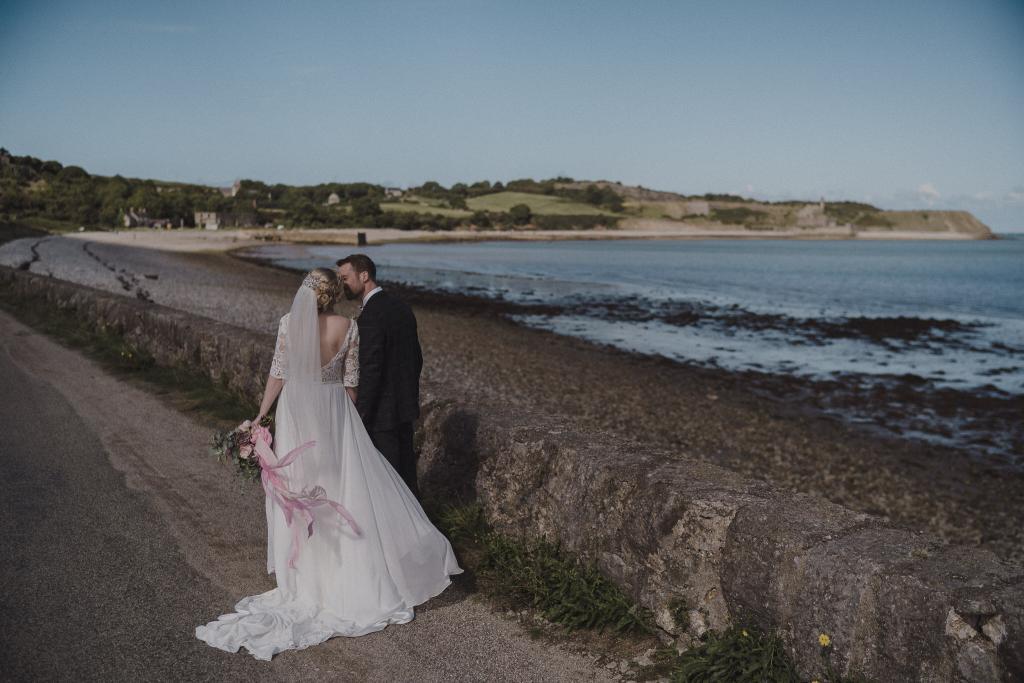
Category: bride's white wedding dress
[343,583]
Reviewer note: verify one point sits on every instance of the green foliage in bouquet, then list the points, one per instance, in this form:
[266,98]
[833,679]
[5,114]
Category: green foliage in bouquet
[231,446]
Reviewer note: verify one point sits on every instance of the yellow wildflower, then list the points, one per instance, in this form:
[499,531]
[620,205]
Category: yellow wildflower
[824,640]
[744,631]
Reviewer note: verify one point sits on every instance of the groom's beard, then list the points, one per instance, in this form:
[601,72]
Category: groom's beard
[349,294]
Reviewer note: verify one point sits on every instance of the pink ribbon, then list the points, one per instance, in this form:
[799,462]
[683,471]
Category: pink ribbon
[294,505]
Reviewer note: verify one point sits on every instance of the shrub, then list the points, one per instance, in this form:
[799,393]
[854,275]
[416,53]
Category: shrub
[739,214]
[569,222]
[520,214]
[849,212]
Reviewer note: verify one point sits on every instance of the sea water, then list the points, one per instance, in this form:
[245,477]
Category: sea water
[950,312]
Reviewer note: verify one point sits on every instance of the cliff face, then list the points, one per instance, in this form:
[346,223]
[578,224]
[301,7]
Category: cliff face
[962,222]
[651,209]
[759,220]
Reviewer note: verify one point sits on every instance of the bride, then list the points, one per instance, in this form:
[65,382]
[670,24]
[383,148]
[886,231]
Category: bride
[346,580]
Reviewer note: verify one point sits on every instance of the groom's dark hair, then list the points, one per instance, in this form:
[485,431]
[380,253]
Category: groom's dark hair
[361,263]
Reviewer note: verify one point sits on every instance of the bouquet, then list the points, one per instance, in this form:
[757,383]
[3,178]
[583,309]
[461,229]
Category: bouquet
[249,447]
[238,447]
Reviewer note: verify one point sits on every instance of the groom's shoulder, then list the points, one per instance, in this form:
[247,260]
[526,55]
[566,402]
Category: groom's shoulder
[387,304]
[385,300]
[398,305]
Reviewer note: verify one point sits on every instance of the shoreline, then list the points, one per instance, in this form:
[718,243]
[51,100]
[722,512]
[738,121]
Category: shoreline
[837,397]
[767,426]
[711,415]
[192,239]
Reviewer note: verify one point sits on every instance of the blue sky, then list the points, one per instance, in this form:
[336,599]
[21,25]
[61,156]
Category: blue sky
[903,104]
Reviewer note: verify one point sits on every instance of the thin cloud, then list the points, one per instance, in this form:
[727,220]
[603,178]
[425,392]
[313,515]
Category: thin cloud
[928,192]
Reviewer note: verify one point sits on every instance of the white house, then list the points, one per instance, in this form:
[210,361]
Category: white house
[207,219]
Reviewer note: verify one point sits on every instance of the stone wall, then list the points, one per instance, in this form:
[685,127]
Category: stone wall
[897,604]
[238,357]
[671,531]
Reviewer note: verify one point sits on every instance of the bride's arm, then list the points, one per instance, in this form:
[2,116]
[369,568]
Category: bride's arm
[278,371]
[270,394]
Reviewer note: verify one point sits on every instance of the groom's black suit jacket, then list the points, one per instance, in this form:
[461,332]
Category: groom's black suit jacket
[390,361]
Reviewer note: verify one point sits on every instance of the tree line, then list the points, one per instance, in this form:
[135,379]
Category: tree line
[33,187]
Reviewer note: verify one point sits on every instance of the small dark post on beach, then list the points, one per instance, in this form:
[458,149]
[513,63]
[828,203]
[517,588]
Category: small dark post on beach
[360,239]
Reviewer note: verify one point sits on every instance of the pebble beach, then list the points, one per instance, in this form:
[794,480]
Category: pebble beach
[473,349]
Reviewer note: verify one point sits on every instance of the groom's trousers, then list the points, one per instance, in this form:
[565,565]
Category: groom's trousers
[397,448]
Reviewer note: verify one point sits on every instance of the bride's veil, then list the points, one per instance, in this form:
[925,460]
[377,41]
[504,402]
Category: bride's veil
[303,338]
[302,349]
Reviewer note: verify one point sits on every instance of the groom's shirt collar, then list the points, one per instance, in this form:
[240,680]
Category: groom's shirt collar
[370,293]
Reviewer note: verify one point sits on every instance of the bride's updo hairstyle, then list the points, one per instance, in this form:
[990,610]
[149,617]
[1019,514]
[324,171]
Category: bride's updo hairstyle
[327,286]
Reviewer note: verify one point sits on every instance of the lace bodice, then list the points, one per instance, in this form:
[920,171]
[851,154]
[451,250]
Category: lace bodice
[344,367]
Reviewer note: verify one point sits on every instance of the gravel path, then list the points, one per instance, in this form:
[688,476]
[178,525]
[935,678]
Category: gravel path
[703,414]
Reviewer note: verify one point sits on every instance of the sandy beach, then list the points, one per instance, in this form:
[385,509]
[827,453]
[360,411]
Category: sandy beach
[470,348]
[191,240]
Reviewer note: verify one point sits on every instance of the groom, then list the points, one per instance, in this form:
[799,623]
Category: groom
[390,360]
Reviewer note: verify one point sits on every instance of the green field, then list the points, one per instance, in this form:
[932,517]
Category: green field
[540,204]
[500,202]
[422,205]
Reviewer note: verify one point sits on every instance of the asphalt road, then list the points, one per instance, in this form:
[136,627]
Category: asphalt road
[93,585]
[120,534]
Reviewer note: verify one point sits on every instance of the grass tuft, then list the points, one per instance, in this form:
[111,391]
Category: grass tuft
[540,575]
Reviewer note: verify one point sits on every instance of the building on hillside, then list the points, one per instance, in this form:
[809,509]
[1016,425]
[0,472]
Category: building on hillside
[333,199]
[214,220]
[137,218]
[208,219]
[393,192]
[133,217]
[233,190]
[813,216]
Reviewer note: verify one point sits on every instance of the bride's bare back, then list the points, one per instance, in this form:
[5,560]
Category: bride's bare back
[333,330]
